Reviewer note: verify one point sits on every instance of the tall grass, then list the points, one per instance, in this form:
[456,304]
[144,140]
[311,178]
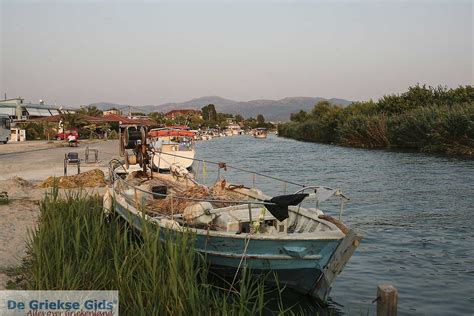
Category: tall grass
[75,247]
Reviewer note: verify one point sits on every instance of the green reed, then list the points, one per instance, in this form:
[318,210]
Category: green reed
[427,119]
[76,247]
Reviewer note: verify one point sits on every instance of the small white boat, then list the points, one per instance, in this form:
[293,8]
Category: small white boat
[173,147]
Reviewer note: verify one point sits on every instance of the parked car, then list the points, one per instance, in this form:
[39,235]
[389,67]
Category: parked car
[65,135]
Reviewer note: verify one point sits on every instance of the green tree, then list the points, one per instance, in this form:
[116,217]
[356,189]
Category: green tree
[90,110]
[209,113]
[301,116]
[195,122]
[158,117]
[260,120]
[48,130]
[239,118]
[250,123]
[72,120]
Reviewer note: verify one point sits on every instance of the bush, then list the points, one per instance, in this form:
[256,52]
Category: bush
[428,119]
[33,131]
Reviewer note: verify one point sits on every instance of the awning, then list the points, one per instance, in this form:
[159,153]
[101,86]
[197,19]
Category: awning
[7,110]
[37,112]
[171,133]
[54,112]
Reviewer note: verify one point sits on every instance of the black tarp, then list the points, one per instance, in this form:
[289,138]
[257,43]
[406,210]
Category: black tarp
[280,207]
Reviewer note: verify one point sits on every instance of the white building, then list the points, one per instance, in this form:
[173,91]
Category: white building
[18,110]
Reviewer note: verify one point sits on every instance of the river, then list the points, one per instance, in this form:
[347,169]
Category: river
[414,210]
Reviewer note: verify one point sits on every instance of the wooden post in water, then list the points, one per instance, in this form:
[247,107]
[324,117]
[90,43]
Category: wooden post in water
[387,299]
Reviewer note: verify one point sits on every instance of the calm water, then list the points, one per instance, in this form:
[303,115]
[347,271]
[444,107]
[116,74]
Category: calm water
[415,212]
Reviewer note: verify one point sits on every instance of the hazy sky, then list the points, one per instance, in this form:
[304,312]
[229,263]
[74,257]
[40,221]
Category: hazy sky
[79,52]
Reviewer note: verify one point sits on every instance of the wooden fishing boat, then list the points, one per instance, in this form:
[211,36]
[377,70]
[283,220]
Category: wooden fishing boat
[237,227]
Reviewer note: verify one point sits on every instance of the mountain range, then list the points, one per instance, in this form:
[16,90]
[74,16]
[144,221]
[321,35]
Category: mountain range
[272,110]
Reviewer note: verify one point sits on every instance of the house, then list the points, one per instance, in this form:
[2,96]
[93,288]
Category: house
[185,112]
[125,121]
[112,111]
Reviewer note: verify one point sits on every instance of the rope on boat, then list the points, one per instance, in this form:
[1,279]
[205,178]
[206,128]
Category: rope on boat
[224,165]
[247,241]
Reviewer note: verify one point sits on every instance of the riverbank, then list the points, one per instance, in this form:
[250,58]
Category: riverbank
[428,120]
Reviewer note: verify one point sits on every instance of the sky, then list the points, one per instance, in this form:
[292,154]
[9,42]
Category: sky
[152,52]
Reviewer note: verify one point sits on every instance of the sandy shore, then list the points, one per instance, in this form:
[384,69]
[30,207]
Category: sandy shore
[22,166]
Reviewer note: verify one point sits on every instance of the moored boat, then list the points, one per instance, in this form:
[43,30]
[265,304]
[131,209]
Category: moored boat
[260,132]
[236,226]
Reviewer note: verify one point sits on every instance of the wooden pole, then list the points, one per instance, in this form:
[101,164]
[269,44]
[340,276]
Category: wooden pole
[387,299]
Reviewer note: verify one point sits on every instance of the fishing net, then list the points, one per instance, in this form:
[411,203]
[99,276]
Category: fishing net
[92,178]
[180,197]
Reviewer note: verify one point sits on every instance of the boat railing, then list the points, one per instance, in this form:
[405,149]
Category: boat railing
[138,196]
[120,185]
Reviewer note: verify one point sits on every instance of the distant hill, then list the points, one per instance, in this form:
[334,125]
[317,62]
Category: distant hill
[272,110]
[107,106]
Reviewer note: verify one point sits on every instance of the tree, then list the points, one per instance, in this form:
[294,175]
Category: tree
[321,108]
[298,117]
[250,123]
[48,130]
[158,117]
[260,120]
[239,118]
[91,110]
[195,122]
[72,120]
[209,113]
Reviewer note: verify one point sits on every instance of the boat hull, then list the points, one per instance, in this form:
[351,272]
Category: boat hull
[308,266]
